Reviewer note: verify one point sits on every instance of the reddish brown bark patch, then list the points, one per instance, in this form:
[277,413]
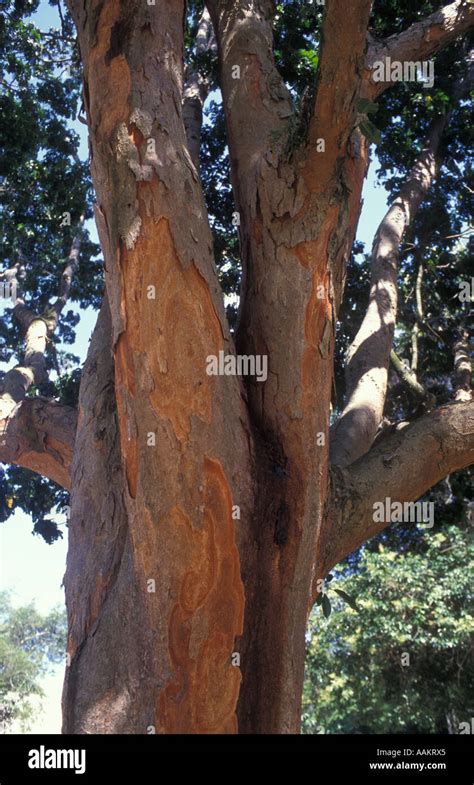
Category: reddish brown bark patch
[108,94]
[208,616]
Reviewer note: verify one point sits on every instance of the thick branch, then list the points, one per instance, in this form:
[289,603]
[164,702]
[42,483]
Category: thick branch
[13,277]
[402,467]
[340,73]
[422,39]
[196,88]
[19,379]
[256,101]
[37,328]
[39,435]
[369,354]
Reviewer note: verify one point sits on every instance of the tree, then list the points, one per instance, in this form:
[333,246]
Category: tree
[205,508]
[29,643]
[44,190]
[402,662]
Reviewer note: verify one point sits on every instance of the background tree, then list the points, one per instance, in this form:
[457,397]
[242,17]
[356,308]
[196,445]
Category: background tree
[29,643]
[403,662]
[44,190]
[167,592]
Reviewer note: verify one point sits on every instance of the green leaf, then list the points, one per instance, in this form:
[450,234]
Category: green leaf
[310,56]
[364,106]
[370,131]
[326,605]
[347,598]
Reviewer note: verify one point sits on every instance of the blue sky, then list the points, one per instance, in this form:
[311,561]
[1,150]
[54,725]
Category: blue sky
[29,567]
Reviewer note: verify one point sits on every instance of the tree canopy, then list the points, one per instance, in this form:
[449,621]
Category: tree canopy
[30,643]
[401,662]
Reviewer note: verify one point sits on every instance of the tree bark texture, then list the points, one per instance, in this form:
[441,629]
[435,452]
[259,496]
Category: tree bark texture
[204,508]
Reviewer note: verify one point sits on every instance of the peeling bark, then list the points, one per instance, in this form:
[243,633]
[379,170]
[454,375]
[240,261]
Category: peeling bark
[109,682]
[184,436]
[296,234]
[164,585]
[39,435]
[339,80]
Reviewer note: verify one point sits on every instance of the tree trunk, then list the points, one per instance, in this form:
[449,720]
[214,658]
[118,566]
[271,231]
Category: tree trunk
[167,599]
[201,508]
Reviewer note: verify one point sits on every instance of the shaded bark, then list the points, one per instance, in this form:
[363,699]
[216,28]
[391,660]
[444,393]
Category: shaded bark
[109,679]
[403,466]
[287,232]
[462,367]
[39,435]
[196,89]
[368,357]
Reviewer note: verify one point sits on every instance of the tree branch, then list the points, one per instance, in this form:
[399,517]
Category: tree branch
[340,72]
[69,271]
[369,354]
[196,88]
[421,39]
[402,467]
[419,317]
[462,368]
[407,376]
[39,435]
[257,103]
[38,328]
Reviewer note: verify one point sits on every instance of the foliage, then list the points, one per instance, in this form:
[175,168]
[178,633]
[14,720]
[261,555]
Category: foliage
[29,644]
[416,602]
[42,180]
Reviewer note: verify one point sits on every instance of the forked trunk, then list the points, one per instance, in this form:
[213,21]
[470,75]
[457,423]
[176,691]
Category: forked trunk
[203,527]
[200,510]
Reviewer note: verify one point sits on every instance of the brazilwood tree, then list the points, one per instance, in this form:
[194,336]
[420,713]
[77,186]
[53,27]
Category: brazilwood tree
[205,510]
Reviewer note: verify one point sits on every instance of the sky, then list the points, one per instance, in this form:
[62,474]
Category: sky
[29,567]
